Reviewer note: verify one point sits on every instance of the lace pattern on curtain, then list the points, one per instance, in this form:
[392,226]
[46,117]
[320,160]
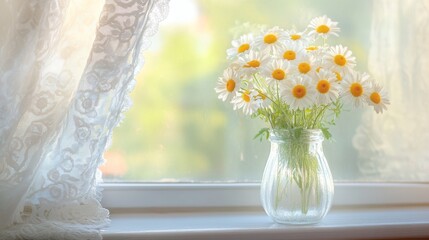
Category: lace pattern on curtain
[67,106]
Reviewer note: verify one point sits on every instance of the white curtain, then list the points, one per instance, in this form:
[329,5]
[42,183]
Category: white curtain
[394,146]
[66,68]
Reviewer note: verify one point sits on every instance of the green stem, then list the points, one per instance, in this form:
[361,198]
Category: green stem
[305,172]
[294,117]
[318,115]
[303,117]
[278,195]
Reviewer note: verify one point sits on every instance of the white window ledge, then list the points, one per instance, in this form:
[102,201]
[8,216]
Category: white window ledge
[233,211]
[341,223]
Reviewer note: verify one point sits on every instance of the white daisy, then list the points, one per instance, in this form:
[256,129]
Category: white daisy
[377,97]
[318,52]
[339,58]
[339,75]
[227,84]
[240,46]
[277,72]
[271,40]
[298,93]
[355,88]
[327,89]
[252,62]
[296,37]
[312,48]
[305,65]
[323,26]
[290,52]
[262,100]
[246,100]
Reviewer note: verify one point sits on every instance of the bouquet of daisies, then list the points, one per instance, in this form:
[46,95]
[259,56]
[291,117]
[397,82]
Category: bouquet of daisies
[295,79]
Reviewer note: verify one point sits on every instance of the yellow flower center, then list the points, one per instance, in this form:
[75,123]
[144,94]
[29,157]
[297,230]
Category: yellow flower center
[323,86]
[304,67]
[295,37]
[339,77]
[246,96]
[243,47]
[278,74]
[230,85]
[340,60]
[253,64]
[312,48]
[289,55]
[322,29]
[318,69]
[375,98]
[270,38]
[299,91]
[356,89]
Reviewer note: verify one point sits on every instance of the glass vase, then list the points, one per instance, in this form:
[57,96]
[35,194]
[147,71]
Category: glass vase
[297,185]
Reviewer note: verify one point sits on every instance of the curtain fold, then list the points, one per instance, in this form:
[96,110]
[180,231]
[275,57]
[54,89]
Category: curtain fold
[393,146]
[66,69]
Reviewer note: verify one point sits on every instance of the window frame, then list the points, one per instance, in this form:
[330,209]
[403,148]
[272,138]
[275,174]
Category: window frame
[121,195]
[169,196]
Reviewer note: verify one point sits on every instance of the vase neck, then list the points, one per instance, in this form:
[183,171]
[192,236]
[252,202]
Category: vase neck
[294,135]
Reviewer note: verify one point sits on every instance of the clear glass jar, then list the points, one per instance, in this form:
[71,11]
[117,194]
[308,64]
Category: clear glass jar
[297,185]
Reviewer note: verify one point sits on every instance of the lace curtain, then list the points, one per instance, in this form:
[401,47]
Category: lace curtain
[66,68]
[394,146]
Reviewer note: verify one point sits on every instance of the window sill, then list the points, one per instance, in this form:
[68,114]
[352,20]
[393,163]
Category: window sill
[341,223]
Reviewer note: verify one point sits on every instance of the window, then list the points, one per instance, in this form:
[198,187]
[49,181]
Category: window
[178,131]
